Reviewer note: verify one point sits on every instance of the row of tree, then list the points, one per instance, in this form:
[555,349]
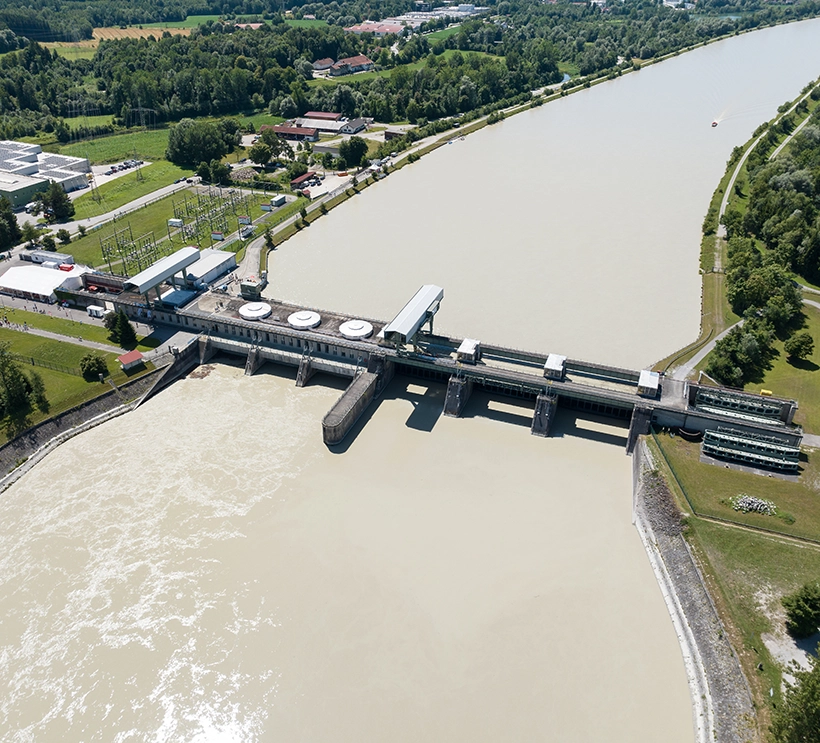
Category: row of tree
[763,293]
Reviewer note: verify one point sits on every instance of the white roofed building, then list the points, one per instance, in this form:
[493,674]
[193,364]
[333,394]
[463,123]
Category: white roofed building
[41,283]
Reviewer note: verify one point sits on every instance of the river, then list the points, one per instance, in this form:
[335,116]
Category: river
[204,569]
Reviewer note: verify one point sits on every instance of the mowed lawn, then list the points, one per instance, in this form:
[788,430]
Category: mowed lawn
[56,322]
[710,487]
[799,380]
[126,188]
[147,145]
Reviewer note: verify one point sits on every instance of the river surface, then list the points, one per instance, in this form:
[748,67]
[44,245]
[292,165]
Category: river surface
[204,569]
[573,228]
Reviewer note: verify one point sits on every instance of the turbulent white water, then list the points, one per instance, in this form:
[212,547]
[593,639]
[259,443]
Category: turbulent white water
[204,569]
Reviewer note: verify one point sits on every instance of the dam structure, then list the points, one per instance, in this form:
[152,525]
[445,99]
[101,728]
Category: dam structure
[745,428]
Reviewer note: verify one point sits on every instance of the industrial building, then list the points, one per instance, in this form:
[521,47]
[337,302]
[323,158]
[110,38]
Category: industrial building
[25,170]
[212,264]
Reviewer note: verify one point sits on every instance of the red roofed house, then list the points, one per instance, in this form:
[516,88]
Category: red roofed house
[322,116]
[130,360]
[346,66]
[299,180]
[296,133]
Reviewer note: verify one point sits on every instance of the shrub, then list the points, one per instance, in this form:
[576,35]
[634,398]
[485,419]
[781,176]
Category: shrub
[92,365]
[803,610]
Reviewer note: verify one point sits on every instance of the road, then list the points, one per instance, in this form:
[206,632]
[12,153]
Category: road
[684,370]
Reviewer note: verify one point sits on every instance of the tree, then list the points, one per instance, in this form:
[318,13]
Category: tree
[38,392]
[10,233]
[64,236]
[269,243]
[803,610]
[797,719]
[81,229]
[120,329]
[220,172]
[30,234]
[278,146]
[92,365]
[190,142]
[800,346]
[260,153]
[49,243]
[56,204]
[204,171]
[353,151]
[14,391]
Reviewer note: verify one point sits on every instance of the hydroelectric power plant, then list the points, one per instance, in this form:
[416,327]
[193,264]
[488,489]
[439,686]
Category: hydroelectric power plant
[737,426]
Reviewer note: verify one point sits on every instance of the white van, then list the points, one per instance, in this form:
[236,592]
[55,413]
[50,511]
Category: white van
[94,310]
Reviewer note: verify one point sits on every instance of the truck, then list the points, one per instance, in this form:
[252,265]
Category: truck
[94,310]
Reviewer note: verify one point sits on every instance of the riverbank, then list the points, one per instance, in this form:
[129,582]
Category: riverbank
[20,454]
[722,704]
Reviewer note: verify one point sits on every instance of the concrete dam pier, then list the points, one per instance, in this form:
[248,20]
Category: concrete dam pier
[737,426]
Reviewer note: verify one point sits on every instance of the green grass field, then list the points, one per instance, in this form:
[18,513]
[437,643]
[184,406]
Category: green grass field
[360,76]
[126,188]
[148,145]
[799,380]
[57,323]
[79,121]
[753,572]
[259,119]
[298,23]
[72,52]
[190,22]
[710,486]
[443,34]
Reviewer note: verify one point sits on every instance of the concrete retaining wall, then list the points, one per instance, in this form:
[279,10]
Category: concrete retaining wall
[353,402]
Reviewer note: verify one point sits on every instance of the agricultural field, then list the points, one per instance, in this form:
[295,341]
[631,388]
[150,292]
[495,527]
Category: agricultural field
[134,32]
[117,193]
[74,50]
[192,21]
[78,121]
[148,145]
[309,23]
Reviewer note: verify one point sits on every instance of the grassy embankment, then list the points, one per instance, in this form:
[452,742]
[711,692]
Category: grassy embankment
[750,561]
[65,387]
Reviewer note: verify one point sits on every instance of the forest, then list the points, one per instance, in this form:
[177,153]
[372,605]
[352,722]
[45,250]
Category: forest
[777,237]
[521,45]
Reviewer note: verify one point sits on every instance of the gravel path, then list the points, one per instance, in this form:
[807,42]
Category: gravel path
[721,699]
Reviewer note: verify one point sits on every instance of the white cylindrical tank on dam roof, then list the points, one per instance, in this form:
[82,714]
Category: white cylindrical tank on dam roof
[304,319]
[355,329]
[254,310]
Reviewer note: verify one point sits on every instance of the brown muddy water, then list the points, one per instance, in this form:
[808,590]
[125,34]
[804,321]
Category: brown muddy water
[204,569]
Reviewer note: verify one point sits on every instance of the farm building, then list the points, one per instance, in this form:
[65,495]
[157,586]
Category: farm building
[325,115]
[323,64]
[295,133]
[349,65]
